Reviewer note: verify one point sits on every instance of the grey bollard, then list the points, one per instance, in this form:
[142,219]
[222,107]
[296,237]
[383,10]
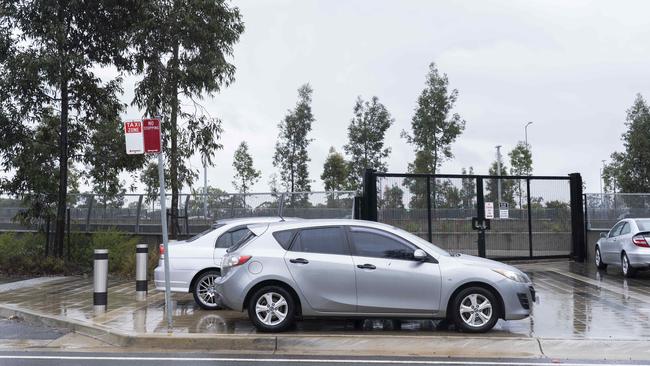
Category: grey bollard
[141,286]
[100,280]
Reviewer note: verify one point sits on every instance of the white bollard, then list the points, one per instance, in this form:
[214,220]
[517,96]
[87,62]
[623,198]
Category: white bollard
[100,280]
[141,285]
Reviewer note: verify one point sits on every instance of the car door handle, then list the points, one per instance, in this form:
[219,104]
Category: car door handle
[366,266]
[299,261]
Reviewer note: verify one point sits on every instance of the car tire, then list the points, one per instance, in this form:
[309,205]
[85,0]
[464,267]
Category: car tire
[626,267]
[272,309]
[475,310]
[205,293]
[599,260]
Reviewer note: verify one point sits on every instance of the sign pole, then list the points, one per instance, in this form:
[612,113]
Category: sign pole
[163,224]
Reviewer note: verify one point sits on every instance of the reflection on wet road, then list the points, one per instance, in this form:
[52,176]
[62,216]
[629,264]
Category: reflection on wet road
[576,301]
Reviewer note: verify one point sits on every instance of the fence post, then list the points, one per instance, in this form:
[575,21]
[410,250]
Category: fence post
[47,236]
[429,230]
[530,219]
[281,205]
[91,199]
[577,218]
[100,280]
[480,213]
[141,285]
[187,219]
[369,207]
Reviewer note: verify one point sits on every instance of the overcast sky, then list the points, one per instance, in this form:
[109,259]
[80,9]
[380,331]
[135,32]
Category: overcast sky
[571,67]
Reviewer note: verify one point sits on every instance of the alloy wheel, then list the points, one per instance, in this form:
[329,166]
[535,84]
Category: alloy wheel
[625,265]
[475,310]
[597,257]
[207,290]
[271,308]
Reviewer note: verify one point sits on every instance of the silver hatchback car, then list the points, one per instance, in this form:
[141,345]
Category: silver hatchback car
[359,269]
[627,245]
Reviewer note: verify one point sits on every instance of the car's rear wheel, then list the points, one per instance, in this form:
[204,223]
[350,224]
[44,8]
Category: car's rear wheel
[475,310]
[205,291]
[599,260]
[628,270]
[272,309]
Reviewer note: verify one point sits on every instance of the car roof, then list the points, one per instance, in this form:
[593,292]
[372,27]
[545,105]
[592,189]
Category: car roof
[287,225]
[255,219]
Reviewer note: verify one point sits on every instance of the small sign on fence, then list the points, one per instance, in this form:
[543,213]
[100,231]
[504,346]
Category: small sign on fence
[489,210]
[503,210]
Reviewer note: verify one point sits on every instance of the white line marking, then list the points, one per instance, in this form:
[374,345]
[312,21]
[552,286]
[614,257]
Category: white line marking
[307,360]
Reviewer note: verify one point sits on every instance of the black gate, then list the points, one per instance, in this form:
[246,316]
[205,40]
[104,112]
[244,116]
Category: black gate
[499,217]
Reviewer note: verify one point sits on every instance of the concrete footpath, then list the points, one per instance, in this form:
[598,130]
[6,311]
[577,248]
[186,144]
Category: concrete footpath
[131,325]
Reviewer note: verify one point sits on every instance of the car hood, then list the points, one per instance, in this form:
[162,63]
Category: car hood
[471,260]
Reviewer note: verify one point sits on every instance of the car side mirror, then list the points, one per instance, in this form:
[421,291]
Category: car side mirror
[419,255]
[603,235]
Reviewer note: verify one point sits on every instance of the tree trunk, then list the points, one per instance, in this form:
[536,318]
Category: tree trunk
[173,156]
[59,228]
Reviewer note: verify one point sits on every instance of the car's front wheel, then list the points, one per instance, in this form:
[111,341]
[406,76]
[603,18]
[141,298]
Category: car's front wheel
[599,260]
[272,309]
[628,270]
[205,291]
[475,310]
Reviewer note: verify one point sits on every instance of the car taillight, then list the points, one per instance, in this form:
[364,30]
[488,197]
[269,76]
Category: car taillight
[161,249]
[237,260]
[640,241]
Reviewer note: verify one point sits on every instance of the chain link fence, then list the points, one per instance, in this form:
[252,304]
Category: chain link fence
[603,210]
[140,213]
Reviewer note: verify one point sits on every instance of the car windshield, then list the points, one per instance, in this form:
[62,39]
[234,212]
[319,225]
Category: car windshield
[202,233]
[414,238]
[644,225]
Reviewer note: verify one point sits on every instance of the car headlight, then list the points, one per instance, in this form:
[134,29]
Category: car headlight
[515,276]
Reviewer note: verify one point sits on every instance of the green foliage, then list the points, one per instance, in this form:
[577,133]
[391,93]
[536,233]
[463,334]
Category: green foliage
[521,159]
[629,171]
[335,171]
[291,155]
[434,127]
[366,134]
[392,197]
[468,189]
[507,187]
[245,173]
[51,101]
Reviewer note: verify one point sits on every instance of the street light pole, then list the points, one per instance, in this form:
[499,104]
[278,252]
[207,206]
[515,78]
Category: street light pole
[526,131]
[498,173]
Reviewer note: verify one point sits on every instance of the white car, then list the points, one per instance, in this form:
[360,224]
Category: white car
[194,264]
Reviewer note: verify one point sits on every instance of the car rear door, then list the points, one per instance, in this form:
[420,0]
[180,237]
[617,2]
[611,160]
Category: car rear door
[389,279]
[320,263]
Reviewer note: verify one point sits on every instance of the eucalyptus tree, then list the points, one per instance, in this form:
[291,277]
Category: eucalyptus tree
[245,173]
[183,50]
[291,155]
[366,134]
[335,171]
[51,99]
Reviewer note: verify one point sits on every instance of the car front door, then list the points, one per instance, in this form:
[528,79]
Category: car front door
[320,263]
[389,279]
[608,250]
[625,236]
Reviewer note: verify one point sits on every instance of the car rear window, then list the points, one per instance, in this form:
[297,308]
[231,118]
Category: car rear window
[215,226]
[644,225]
[284,238]
[245,236]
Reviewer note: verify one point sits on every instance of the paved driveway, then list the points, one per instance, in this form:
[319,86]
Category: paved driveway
[576,302]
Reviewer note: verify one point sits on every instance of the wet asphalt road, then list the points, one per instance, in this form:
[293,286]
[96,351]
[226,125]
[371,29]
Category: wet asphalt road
[99,359]
[16,329]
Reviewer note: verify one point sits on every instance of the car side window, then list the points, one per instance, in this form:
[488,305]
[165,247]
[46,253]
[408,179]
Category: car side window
[378,244]
[327,240]
[625,229]
[615,230]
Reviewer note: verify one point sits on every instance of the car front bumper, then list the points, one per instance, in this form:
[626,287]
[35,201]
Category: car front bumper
[518,300]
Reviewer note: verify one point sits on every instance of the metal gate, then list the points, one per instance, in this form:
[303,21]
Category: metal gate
[499,217]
